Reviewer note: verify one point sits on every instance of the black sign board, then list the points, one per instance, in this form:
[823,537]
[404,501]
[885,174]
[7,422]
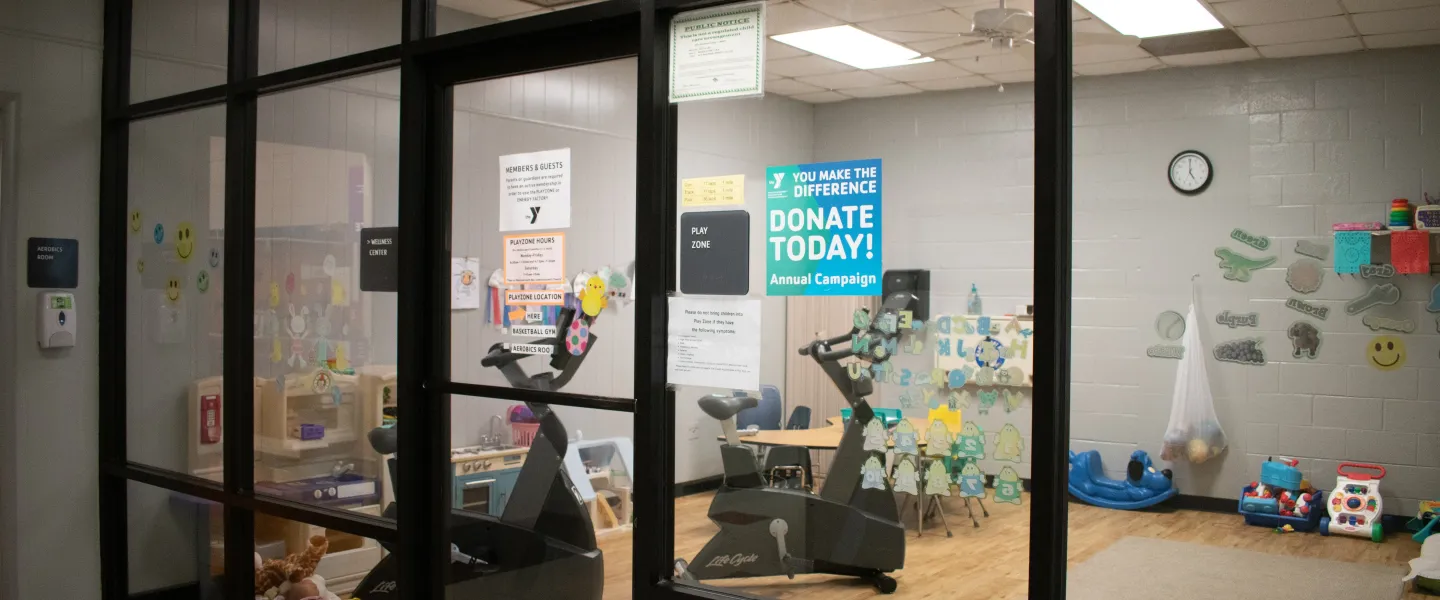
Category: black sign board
[52,263]
[379,261]
[715,253]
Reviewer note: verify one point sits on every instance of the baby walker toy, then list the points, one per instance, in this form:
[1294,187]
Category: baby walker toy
[1281,499]
[1355,505]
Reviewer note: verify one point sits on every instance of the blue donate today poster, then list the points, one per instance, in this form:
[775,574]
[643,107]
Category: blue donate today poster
[823,229]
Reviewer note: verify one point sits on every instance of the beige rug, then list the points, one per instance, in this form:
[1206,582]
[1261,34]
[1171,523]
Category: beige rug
[1149,569]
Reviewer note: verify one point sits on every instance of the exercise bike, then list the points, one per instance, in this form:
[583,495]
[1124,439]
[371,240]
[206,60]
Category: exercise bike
[542,546]
[845,530]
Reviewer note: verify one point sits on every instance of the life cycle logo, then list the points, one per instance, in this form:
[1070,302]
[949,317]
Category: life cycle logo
[385,587]
[733,560]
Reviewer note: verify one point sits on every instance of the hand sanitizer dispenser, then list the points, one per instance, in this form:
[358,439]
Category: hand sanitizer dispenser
[55,323]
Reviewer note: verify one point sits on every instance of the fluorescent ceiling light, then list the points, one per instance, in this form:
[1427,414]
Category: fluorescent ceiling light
[1150,18]
[853,47]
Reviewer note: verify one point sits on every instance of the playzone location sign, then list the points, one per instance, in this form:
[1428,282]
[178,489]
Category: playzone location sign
[823,229]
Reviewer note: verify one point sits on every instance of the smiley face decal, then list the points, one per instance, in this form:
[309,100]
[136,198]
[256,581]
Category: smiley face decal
[159,233]
[140,266]
[134,221]
[1386,352]
[172,289]
[202,281]
[184,241]
[214,258]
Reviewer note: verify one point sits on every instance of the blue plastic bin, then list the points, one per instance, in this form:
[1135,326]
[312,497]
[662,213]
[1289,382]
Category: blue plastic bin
[1307,523]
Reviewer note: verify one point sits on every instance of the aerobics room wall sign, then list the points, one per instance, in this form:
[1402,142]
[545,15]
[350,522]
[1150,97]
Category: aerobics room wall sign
[823,229]
[715,253]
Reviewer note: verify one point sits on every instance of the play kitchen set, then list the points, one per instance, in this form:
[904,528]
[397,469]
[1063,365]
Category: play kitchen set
[485,474]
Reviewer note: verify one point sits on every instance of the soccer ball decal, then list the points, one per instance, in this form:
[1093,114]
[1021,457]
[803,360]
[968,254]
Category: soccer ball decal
[990,353]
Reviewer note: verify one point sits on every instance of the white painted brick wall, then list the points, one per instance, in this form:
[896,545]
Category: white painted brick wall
[1297,145]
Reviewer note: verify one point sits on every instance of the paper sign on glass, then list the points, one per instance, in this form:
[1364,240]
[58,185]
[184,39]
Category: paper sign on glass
[713,191]
[535,190]
[714,342]
[464,283]
[535,258]
[1410,252]
[718,53]
[1352,249]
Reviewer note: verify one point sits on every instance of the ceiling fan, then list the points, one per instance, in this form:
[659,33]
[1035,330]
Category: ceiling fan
[1009,28]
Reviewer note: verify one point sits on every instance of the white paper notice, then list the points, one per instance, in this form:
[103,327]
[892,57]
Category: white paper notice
[715,342]
[718,53]
[535,190]
[464,283]
[535,258]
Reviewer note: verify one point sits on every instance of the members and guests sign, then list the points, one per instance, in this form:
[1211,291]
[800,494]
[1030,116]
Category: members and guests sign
[823,226]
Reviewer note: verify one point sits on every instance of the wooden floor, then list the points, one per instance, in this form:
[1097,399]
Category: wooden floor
[991,562]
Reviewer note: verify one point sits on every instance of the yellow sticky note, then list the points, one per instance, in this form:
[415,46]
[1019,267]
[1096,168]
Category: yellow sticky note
[713,191]
[951,418]
[337,294]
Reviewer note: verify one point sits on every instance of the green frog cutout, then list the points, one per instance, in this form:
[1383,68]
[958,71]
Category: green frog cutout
[971,481]
[1013,400]
[988,398]
[969,443]
[906,440]
[937,482]
[907,479]
[1007,486]
[1009,444]
[876,436]
[872,475]
[937,439]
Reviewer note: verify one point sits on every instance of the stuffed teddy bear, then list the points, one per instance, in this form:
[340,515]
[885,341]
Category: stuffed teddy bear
[294,570]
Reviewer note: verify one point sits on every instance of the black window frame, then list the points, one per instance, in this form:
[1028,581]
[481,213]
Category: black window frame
[429,66]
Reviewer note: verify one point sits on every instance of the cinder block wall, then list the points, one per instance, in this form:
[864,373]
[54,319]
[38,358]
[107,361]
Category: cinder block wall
[1297,145]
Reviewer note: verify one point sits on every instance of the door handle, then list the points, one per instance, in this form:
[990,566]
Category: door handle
[475,484]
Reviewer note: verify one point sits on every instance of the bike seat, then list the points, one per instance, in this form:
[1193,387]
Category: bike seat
[722,407]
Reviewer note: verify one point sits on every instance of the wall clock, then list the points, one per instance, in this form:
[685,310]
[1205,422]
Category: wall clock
[1190,172]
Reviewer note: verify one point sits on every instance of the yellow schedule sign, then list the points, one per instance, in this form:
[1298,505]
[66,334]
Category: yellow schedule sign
[713,191]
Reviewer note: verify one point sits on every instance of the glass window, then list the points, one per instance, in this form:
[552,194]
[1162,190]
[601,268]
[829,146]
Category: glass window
[175,239]
[886,217]
[457,15]
[325,363]
[543,228]
[177,544]
[295,33]
[500,472]
[177,46]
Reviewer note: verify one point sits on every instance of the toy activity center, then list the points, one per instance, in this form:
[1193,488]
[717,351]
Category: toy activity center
[797,299]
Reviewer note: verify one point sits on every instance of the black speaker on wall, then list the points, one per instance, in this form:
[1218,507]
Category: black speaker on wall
[916,283]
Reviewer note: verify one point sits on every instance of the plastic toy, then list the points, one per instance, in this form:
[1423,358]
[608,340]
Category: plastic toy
[1143,485]
[1281,498]
[1424,522]
[1355,505]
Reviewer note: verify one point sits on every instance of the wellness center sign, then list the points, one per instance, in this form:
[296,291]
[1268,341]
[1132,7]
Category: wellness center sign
[823,229]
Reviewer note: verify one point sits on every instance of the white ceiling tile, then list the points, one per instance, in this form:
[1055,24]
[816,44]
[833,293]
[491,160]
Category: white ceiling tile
[1397,21]
[1308,30]
[526,15]
[923,26]
[789,18]
[1091,26]
[492,9]
[852,79]
[790,87]
[771,76]
[856,11]
[958,47]
[1260,12]
[775,50]
[1106,53]
[1409,38]
[932,70]
[967,8]
[1013,76]
[880,91]
[821,97]
[1349,44]
[805,65]
[996,63]
[956,83]
[1122,66]
[1210,58]
[1359,6]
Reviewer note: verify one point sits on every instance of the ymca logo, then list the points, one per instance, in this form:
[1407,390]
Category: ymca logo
[733,560]
[534,214]
[779,177]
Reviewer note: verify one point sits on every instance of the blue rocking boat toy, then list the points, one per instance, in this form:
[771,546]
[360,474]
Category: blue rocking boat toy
[1143,486]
